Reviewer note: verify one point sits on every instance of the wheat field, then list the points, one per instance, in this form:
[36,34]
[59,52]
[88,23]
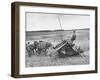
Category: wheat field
[55,37]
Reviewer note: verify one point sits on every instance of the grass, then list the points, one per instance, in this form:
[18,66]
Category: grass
[37,61]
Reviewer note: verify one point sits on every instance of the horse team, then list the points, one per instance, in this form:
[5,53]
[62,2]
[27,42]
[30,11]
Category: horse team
[38,48]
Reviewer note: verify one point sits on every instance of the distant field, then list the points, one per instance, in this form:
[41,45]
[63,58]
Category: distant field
[55,37]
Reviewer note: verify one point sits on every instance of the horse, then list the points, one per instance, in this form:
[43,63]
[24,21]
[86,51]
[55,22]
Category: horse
[42,47]
[29,49]
[32,48]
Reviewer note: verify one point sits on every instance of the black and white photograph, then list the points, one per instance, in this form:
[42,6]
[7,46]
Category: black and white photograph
[57,39]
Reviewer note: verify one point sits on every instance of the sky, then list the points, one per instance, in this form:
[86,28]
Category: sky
[43,21]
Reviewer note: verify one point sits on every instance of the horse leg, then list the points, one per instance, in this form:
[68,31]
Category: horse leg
[29,53]
[39,51]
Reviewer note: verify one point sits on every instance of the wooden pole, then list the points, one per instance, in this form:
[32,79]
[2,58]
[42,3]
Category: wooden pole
[60,25]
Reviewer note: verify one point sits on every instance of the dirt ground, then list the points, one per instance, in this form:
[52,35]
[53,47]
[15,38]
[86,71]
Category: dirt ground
[82,40]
